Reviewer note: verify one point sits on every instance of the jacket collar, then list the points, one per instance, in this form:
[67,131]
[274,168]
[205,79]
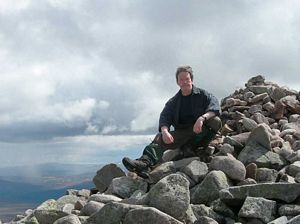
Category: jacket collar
[195,90]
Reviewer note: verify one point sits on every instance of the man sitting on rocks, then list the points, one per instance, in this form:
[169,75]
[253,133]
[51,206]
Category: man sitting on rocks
[192,112]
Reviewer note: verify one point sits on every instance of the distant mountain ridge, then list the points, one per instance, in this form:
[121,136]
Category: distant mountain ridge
[36,183]
[28,193]
[49,169]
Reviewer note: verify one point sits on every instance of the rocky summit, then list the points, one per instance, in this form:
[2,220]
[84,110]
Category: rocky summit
[249,174]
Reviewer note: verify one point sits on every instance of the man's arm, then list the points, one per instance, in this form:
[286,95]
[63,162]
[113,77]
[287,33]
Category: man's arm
[199,123]
[166,136]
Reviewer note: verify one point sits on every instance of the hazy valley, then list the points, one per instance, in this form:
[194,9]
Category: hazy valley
[23,187]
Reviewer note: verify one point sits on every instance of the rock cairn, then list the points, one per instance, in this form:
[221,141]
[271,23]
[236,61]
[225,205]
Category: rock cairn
[249,174]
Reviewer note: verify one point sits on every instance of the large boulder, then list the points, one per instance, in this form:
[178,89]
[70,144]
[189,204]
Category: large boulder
[148,216]
[171,195]
[232,167]
[272,191]
[70,219]
[208,190]
[91,207]
[258,208]
[112,213]
[257,145]
[105,175]
[196,170]
[126,186]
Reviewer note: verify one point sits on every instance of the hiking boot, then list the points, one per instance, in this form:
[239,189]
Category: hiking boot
[139,166]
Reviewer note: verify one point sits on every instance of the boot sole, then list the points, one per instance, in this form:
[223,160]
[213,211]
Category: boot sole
[131,168]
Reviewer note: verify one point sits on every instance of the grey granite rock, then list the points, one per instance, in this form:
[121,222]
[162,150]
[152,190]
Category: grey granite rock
[272,191]
[196,170]
[208,190]
[105,175]
[171,195]
[259,208]
[148,216]
[125,186]
[232,167]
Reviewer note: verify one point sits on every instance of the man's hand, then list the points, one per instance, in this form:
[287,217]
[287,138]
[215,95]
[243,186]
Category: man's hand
[198,125]
[166,136]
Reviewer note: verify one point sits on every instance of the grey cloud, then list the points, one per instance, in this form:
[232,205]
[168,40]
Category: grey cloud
[103,50]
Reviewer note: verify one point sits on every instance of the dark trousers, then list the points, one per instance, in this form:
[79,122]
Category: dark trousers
[154,151]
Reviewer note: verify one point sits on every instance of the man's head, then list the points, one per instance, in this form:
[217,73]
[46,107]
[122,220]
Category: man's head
[184,68]
[184,78]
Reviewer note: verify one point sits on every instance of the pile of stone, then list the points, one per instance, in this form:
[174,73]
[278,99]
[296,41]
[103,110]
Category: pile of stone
[251,174]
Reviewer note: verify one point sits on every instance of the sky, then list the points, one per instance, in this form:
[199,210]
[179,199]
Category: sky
[85,81]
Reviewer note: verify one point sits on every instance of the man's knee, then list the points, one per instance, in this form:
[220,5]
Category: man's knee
[214,124]
[158,139]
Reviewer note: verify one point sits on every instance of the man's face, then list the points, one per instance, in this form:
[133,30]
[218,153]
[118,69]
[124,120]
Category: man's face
[185,82]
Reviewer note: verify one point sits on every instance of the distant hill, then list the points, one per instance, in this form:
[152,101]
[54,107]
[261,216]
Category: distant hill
[49,169]
[28,193]
[35,183]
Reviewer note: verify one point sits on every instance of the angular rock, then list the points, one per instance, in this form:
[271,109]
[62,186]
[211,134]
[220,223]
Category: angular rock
[295,220]
[226,148]
[79,204]
[84,193]
[265,175]
[48,216]
[70,219]
[202,210]
[256,108]
[205,220]
[208,190]
[232,167]
[148,216]
[257,145]
[105,175]
[259,89]
[196,170]
[258,208]
[271,160]
[179,164]
[251,170]
[125,186]
[293,168]
[191,181]
[232,141]
[189,216]
[249,124]
[280,220]
[272,191]
[104,198]
[170,195]
[161,171]
[269,106]
[112,213]
[171,154]
[279,110]
[256,80]
[68,208]
[259,97]
[247,181]
[91,207]
[289,210]
[222,209]
[67,199]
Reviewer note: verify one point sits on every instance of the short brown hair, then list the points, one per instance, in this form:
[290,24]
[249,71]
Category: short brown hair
[184,68]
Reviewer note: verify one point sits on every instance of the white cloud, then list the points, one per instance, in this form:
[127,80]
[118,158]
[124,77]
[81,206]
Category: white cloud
[109,129]
[103,104]
[91,129]
[73,111]
[13,6]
